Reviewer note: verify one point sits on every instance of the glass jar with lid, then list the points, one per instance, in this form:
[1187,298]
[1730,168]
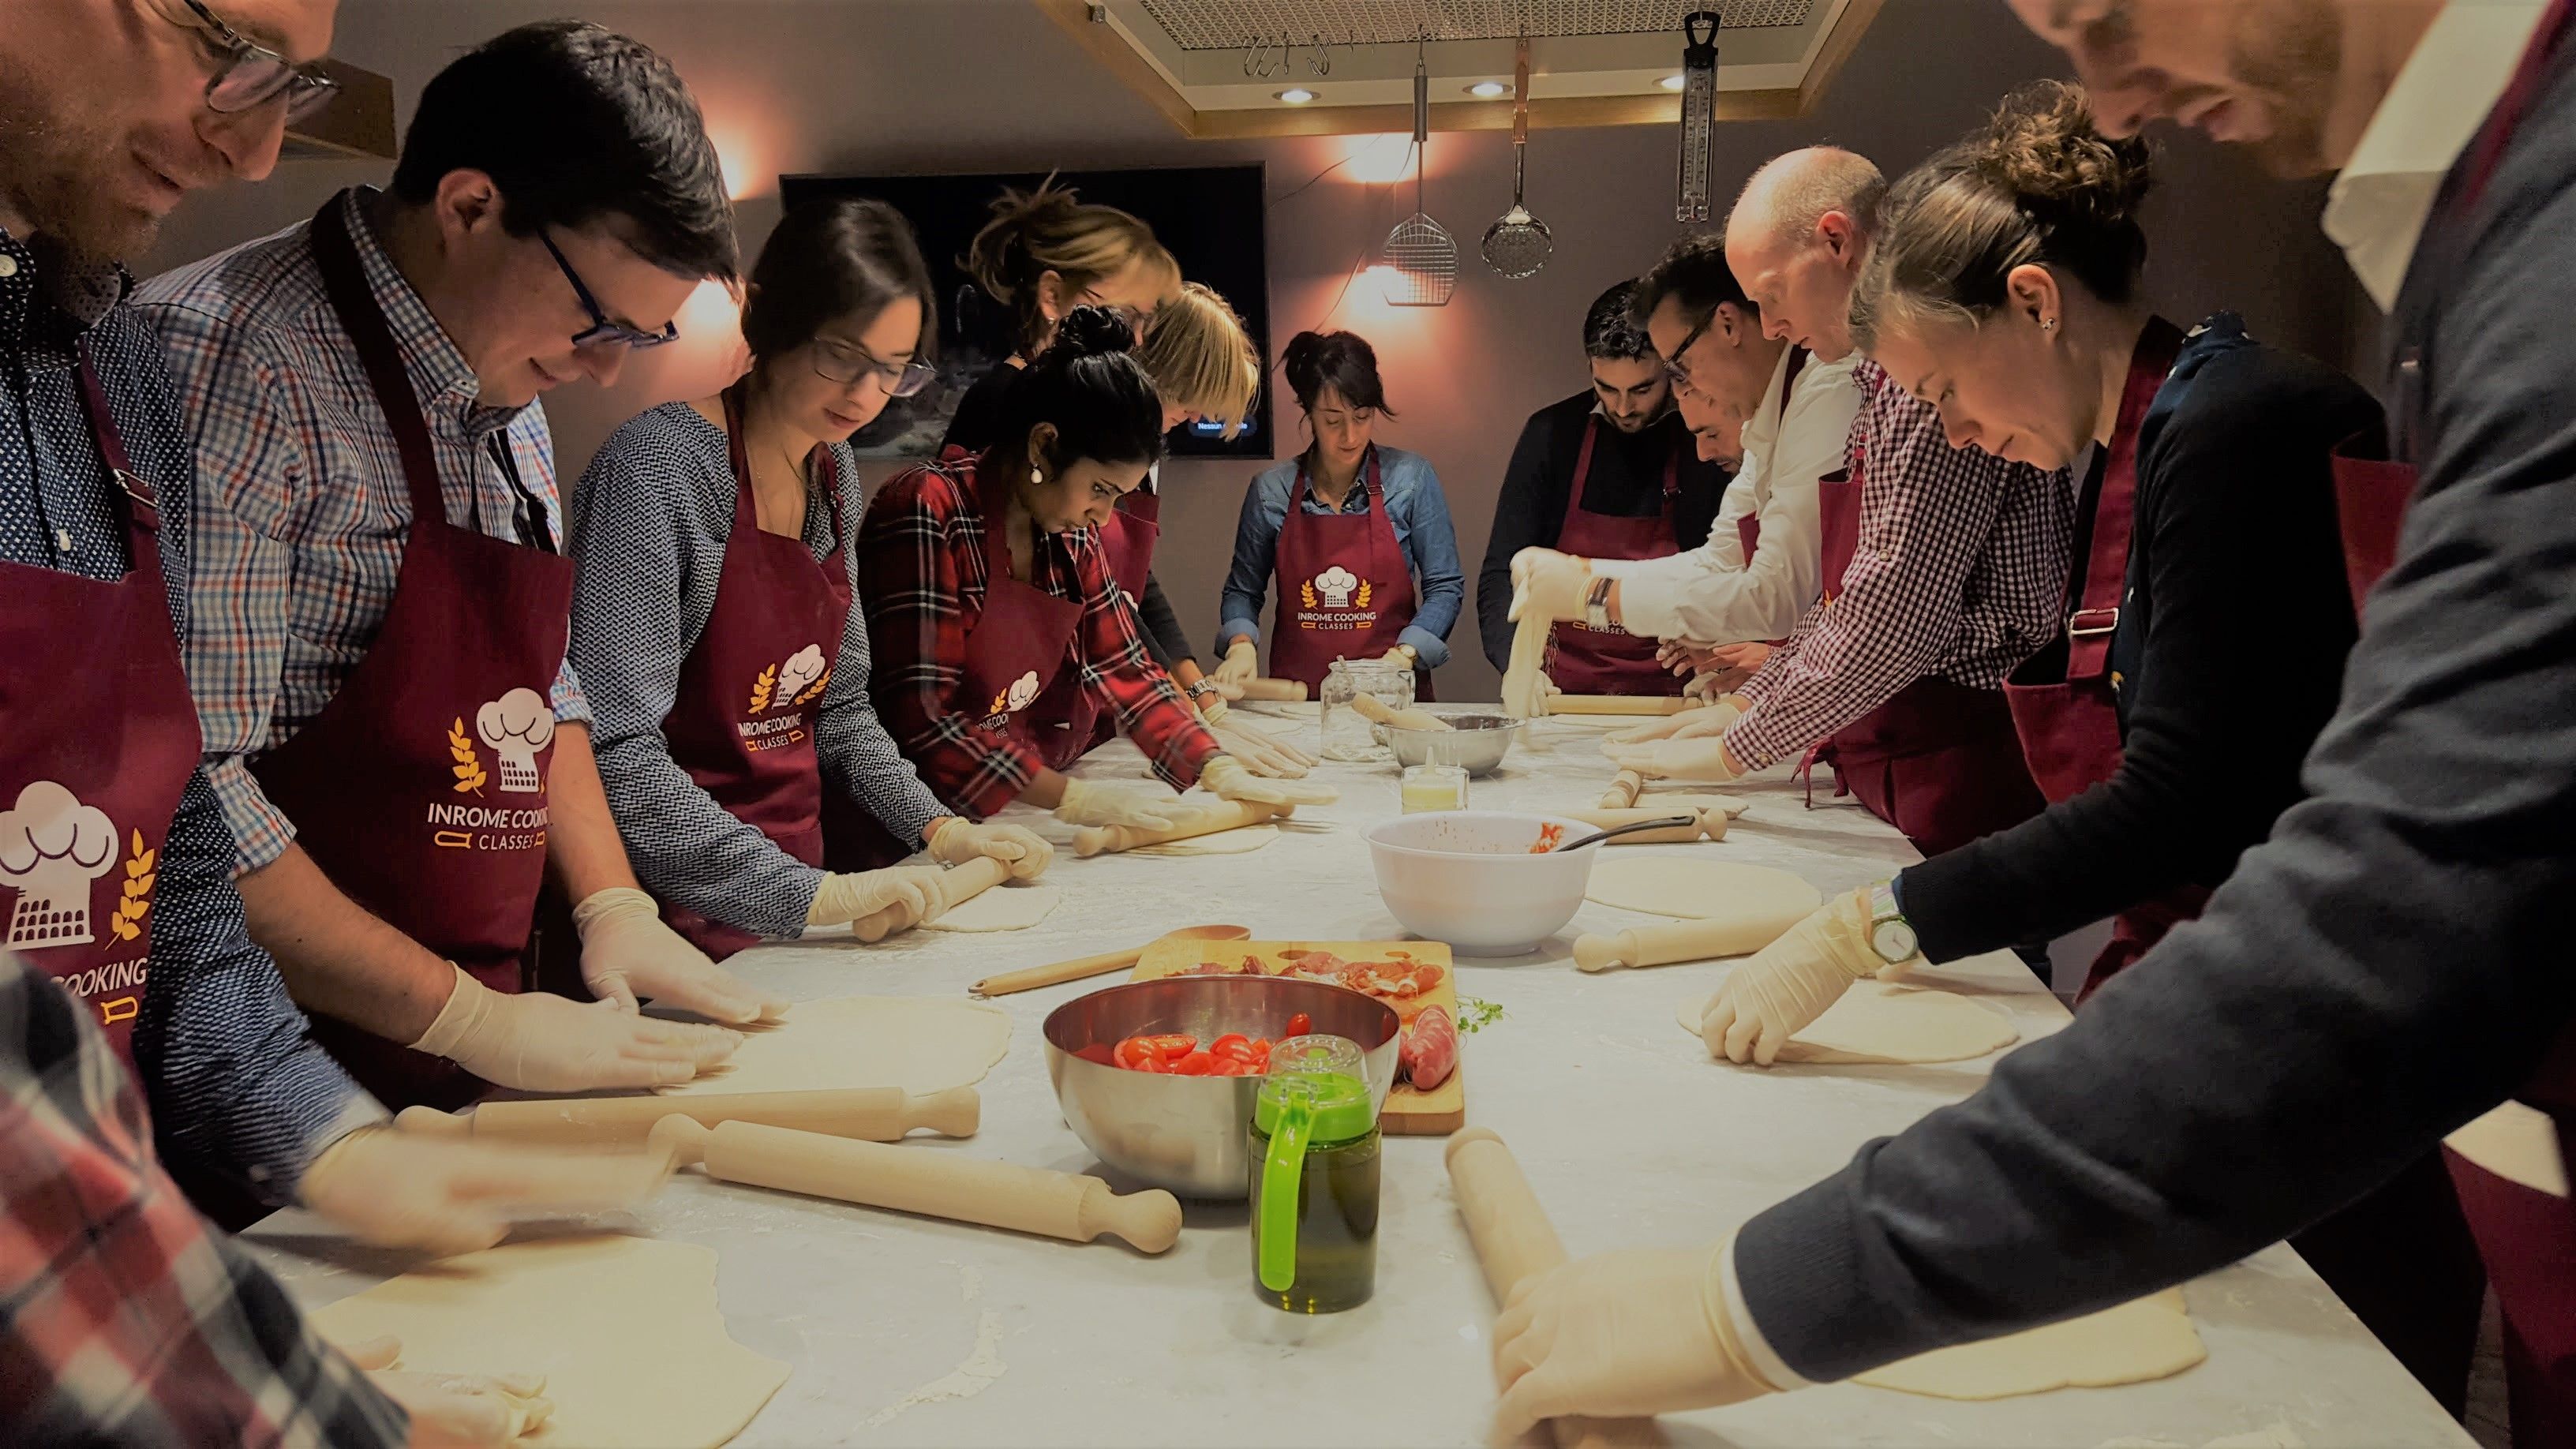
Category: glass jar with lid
[1347,734]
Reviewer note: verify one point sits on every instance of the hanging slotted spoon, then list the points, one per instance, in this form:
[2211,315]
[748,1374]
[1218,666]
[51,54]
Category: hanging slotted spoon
[1517,244]
[1420,251]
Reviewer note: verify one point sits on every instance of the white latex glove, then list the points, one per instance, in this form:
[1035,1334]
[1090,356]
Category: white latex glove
[1619,1335]
[1687,724]
[458,1195]
[1702,759]
[1794,980]
[909,892]
[1094,802]
[483,1411]
[1549,584]
[1716,683]
[1241,665]
[1226,778]
[627,952]
[959,840]
[1261,753]
[540,1042]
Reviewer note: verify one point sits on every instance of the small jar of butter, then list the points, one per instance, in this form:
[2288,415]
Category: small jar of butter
[1434,787]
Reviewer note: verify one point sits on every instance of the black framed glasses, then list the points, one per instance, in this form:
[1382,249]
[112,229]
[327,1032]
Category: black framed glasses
[849,365]
[1673,367]
[601,332]
[250,75]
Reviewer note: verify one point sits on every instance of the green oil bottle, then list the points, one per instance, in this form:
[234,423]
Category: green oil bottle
[1314,1171]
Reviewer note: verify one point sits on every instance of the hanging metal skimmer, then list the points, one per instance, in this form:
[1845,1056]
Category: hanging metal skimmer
[1420,252]
[1517,244]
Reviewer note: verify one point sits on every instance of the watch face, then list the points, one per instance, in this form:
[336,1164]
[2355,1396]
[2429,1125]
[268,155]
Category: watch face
[1893,940]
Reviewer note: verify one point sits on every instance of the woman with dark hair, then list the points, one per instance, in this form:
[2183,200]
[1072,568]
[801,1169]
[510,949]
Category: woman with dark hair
[714,620]
[1358,535]
[1000,632]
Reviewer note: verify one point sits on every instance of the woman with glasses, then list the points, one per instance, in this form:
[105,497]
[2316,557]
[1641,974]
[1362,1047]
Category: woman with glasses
[1359,536]
[714,622]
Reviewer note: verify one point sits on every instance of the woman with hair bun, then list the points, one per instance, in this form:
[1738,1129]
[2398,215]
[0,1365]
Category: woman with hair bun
[714,620]
[2208,620]
[1000,633]
[1358,535]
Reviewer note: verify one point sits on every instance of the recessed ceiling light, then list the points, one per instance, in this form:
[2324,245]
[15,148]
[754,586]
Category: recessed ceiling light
[1296,95]
[1670,83]
[1487,90]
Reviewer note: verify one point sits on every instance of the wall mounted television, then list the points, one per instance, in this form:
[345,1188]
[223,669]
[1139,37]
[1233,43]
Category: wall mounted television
[1210,217]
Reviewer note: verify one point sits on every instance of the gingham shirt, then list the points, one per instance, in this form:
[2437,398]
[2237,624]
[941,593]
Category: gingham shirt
[306,512]
[652,516]
[1959,571]
[237,1085]
[124,1318]
[924,575]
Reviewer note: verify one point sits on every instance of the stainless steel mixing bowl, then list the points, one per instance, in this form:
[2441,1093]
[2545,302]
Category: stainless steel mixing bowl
[1188,1133]
[1477,741]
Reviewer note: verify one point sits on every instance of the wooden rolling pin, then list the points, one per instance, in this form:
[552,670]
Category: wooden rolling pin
[933,1184]
[1682,941]
[957,885]
[1286,691]
[1624,789]
[1711,826]
[1515,1241]
[1187,821]
[1373,709]
[876,1114]
[1618,704]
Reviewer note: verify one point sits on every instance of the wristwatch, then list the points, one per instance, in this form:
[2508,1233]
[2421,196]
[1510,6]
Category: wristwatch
[1596,605]
[1891,936]
[1204,686]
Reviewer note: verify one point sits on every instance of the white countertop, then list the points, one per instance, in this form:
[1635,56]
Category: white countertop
[1629,1133]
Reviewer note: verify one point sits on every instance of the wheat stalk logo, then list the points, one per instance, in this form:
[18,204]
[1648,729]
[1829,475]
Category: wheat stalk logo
[1306,592]
[815,690]
[127,923]
[1364,593]
[762,687]
[468,768]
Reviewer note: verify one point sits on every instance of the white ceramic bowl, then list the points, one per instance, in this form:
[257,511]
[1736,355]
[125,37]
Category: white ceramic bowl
[1466,877]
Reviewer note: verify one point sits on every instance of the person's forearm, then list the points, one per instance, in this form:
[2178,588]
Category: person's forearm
[1185,673]
[583,851]
[1045,789]
[338,960]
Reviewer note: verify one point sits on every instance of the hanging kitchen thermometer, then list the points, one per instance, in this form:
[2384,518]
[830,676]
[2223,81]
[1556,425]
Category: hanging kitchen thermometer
[1699,114]
[1420,255]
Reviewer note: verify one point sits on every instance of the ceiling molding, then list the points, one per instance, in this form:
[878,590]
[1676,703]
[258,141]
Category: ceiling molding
[1107,36]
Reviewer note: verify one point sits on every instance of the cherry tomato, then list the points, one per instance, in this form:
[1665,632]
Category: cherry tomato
[1098,1052]
[1299,1025]
[1233,1046]
[1196,1064]
[1133,1053]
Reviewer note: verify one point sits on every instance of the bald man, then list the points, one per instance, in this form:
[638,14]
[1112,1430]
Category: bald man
[2387,968]
[1943,567]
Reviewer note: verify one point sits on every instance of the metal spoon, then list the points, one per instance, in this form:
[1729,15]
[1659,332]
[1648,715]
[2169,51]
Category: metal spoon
[1668,823]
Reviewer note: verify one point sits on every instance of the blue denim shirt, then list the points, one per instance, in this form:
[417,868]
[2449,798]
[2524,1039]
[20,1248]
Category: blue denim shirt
[1422,530]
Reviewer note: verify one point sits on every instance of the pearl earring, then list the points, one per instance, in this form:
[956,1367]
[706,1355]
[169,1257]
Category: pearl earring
[1036,476]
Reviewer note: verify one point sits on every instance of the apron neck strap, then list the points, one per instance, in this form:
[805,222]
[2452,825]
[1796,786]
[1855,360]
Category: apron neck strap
[137,506]
[993,492]
[2093,598]
[826,467]
[1365,478]
[344,280]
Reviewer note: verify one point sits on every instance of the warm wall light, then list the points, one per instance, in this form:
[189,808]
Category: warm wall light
[1378,160]
[742,158]
[1296,95]
[1488,90]
[1670,83]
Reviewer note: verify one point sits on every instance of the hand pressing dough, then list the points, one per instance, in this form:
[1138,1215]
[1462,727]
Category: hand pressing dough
[2135,1343]
[1003,908]
[625,1332]
[1694,889]
[1224,842]
[1880,1023]
[921,1044]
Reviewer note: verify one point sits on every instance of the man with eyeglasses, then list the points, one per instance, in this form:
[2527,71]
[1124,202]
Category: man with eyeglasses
[383,597]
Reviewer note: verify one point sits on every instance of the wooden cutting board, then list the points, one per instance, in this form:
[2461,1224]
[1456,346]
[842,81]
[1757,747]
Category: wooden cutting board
[1408,1112]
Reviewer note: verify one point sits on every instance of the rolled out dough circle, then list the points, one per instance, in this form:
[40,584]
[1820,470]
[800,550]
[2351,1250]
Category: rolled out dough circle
[1696,889]
[1237,841]
[625,1332]
[921,1044]
[1004,907]
[2150,1338]
[1881,1023]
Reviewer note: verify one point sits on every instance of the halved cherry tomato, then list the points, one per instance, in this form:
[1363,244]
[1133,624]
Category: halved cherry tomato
[1172,1045]
[1196,1064]
[1233,1046]
[1299,1025]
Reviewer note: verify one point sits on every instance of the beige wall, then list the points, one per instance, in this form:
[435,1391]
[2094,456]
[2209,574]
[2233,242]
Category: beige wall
[938,85]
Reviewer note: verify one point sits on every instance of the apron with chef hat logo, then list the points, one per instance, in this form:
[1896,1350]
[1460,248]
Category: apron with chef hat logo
[1344,590]
[742,717]
[420,789]
[98,740]
[1580,658]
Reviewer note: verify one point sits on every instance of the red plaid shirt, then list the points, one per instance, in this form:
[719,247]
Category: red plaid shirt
[124,1319]
[1960,571]
[923,575]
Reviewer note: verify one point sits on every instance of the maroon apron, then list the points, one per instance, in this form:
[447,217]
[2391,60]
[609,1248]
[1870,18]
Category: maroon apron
[1585,660]
[1344,590]
[742,722]
[1748,529]
[2062,700]
[101,740]
[1128,538]
[420,789]
[2528,1237]
[1938,760]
